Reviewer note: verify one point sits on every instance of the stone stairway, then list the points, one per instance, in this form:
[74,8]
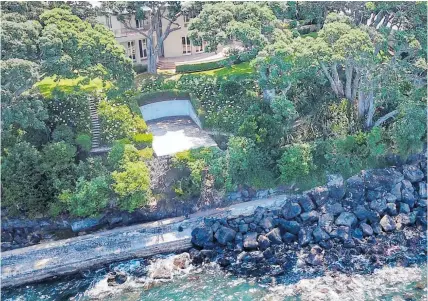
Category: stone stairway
[165,65]
[95,123]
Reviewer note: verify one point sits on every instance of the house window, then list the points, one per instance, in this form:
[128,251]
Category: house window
[186,20]
[143,48]
[130,50]
[187,47]
[108,21]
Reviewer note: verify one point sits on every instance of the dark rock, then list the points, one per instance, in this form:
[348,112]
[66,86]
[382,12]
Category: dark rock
[357,233]
[225,261]
[268,253]
[413,173]
[305,236]
[335,186]
[326,244]
[85,224]
[6,236]
[250,240]
[376,228]
[385,178]
[341,232]
[355,188]
[274,236]
[252,226]
[289,237]
[422,203]
[310,217]
[387,223]
[316,256]
[116,278]
[364,214]
[391,209]
[306,203]
[390,198]
[291,210]
[35,238]
[379,205]
[373,195]
[6,246]
[114,219]
[406,184]
[266,223]
[326,221]
[333,207]
[255,256]
[208,254]
[248,219]
[239,237]
[264,242]
[422,190]
[225,235]
[408,197]
[320,195]
[215,226]
[196,256]
[319,234]
[396,191]
[202,235]
[289,226]
[404,208]
[367,229]
[349,243]
[243,228]
[346,219]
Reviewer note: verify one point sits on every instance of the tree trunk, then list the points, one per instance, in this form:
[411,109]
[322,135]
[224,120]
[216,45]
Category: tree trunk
[355,84]
[337,80]
[330,79]
[348,84]
[151,57]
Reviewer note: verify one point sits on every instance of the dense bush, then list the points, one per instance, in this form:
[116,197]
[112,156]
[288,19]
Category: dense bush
[84,142]
[161,95]
[142,140]
[140,68]
[118,121]
[205,66]
[295,162]
[63,133]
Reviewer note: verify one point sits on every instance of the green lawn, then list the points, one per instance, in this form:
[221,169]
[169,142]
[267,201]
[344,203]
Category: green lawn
[242,68]
[69,85]
[311,34]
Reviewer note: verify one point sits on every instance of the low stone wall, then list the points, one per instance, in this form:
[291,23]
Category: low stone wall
[357,215]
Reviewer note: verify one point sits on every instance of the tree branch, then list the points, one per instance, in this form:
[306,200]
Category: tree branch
[385,118]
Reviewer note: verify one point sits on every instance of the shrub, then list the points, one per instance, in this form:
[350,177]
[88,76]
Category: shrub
[295,162]
[201,66]
[143,139]
[146,153]
[140,68]
[84,142]
[63,133]
[162,95]
[89,197]
[121,154]
[91,168]
[118,122]
[132,185]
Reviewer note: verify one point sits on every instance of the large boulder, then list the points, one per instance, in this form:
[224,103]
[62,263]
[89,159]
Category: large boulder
[391,209]
[347,219]
[408,197]
[382,179]
[379,205]
[355,188]
[250,240]
[289,226]
[306,203]
[396,191]
[422,190]
[264,242]
[305,236]
[310,217]
[326,221]
[266,223]
[387,223]
[320,195]
[334,207]
[225,235]
[316,256]
[291,210]
[274,236]
[86,224]
[413,173]
[201,236]
[364,214]
[405,219]
[319,234]
[367,229]
[341,232]
[335,186]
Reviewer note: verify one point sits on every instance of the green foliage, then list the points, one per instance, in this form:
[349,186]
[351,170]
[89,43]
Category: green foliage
[201,66]
[140,68]
[22,180]
[284,110]
[143,140]
[132,184]
[409,131]
[84,141]
[118,121]
[146,153]
[120,154]
[161,95]
[340,119]
[295,163]
[63,133]
[89,197]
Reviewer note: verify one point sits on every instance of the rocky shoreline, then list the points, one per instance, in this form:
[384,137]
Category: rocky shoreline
[376,218]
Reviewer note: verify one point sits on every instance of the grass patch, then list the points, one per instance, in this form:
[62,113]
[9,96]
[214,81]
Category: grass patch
[238,69]
[47,85]
[311,34]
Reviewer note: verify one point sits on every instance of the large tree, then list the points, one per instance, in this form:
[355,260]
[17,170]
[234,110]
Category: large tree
[156,13]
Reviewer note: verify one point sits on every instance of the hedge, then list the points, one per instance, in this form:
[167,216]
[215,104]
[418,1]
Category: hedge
[162,95]
[139,68]
[233,59]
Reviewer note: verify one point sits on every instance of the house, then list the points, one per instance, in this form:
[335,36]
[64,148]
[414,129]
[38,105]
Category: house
[176,46]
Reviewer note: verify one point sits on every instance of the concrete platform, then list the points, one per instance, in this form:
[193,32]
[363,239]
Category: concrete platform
[176,134]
